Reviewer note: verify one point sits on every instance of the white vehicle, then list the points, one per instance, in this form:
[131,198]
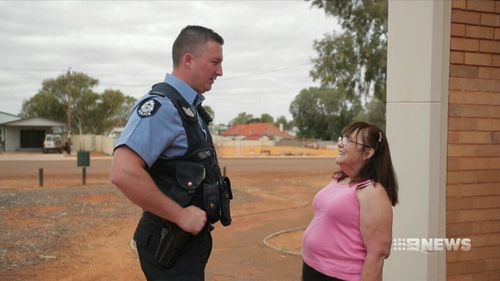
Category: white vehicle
[52,142]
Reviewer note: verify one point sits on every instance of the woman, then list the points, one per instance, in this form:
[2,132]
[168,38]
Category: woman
[351,232]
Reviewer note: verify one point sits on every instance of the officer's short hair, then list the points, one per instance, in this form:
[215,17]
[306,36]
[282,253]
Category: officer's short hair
[191,38]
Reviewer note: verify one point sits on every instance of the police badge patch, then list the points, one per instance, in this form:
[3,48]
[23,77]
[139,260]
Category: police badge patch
[148,107]
[188,111]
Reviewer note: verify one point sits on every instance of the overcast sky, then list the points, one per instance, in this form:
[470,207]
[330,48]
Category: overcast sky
[127,46]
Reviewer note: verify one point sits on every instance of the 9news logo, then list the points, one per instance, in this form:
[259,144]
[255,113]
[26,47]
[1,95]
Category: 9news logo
[431,244]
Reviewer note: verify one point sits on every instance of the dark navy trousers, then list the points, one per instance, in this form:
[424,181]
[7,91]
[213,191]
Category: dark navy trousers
[190,265]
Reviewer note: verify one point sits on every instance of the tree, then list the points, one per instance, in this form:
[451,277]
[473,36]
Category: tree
[287,125]
[322,113]
[112,110]
[45,105]
[91,112]
[84,113]
[54,97]
[266,118]
[124,112]
[355,60]
[242,118]
[375,113]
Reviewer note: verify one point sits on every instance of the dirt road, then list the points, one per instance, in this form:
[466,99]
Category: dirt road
[65,231]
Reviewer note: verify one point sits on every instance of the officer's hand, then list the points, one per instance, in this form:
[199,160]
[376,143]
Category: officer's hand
[193,219]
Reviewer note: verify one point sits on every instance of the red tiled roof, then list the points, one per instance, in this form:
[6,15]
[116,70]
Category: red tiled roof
[255,131]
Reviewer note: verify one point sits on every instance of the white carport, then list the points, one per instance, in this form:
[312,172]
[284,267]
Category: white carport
[28,134]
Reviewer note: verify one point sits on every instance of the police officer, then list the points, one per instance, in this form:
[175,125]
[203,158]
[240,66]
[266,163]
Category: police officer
[167,125]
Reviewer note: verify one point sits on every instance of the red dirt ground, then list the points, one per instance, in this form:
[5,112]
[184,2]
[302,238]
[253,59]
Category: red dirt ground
[94,224]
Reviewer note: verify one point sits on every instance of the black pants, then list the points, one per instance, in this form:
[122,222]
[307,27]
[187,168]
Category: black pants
[311,274]
[190,265]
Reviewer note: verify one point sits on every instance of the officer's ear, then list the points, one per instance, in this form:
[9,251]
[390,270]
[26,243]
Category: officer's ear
[187,60]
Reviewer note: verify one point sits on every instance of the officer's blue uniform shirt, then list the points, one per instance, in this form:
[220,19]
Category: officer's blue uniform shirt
[154,130]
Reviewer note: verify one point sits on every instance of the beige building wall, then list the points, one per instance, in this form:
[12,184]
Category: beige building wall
[417,104]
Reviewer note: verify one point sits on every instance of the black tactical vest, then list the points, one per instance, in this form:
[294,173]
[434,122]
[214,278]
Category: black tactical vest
[195,178]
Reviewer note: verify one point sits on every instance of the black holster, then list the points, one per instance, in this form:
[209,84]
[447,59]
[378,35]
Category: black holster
[172,242]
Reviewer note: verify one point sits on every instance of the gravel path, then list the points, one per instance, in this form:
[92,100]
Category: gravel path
[35,222]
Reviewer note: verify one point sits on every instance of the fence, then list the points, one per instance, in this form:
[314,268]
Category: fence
[106,144]
[93,143]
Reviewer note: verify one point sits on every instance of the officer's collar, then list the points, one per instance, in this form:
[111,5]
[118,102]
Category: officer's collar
[198,100]
[190,95]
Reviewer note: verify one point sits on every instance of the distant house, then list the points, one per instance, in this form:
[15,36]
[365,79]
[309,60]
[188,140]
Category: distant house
[25,134]
[5,118]
[257,131]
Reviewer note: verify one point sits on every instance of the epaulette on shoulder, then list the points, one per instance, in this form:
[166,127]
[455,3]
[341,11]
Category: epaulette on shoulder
[155,92]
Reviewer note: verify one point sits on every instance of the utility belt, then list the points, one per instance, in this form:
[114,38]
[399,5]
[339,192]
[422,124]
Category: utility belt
[192,185]
[148,216]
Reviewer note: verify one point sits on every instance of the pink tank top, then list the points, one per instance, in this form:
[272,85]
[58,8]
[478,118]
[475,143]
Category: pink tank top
[332,242]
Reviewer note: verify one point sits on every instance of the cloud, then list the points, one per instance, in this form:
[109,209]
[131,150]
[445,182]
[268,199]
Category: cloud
[126,45]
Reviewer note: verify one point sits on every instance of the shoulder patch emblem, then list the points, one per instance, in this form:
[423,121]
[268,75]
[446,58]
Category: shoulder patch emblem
[188,111]
[148,107]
